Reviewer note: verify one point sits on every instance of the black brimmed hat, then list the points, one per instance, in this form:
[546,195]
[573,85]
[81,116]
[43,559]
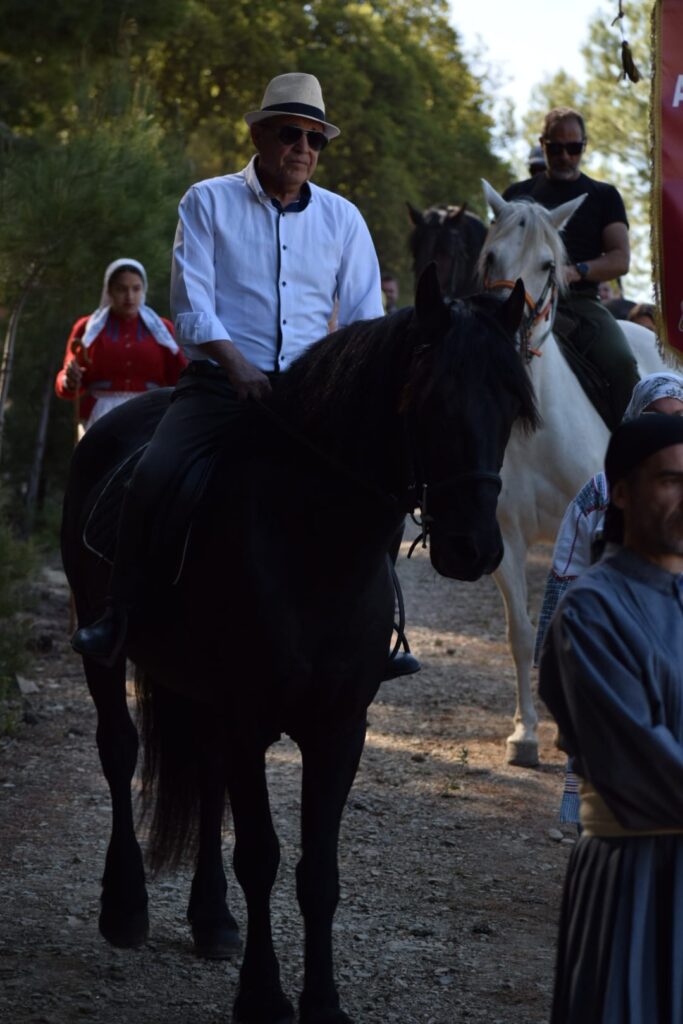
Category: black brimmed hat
[636,440]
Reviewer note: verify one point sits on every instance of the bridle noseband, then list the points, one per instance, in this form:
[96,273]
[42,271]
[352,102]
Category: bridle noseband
[540,309]
[426,520]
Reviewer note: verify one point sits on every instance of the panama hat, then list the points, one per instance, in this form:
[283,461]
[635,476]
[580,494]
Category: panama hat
[294,93]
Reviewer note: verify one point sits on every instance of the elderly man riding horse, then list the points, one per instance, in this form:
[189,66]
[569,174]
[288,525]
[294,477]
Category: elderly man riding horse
[259,258]
[597,242]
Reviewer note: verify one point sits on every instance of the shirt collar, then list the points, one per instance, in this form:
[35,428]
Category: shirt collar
[252,180]
[646,572]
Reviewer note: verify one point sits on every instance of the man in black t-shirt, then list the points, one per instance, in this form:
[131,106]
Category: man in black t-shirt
[596,238]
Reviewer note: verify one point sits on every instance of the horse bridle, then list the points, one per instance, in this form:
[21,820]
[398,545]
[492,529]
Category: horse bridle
[422,491]
[426,520]
[543,308]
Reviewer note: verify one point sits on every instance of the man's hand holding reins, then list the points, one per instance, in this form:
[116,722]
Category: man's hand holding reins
[247,380]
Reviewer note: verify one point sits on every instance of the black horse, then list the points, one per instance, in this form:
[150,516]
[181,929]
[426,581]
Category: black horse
[282,614]
[451,237]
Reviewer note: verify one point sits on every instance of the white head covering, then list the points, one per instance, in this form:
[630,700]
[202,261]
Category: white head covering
[153,322]
[649,389]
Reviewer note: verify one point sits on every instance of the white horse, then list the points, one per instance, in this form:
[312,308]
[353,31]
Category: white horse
[543,472]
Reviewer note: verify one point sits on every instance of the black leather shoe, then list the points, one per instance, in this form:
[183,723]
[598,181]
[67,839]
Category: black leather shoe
[402,664]
[103,639]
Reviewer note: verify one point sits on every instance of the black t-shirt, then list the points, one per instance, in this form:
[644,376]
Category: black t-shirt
[582,234]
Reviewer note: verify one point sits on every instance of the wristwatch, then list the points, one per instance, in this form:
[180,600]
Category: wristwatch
[583,269]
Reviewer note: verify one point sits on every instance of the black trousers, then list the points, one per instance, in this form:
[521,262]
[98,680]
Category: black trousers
[195,426]
[610,352]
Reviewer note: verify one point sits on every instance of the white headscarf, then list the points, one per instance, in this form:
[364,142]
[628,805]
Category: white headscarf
[153,322]
[650,388]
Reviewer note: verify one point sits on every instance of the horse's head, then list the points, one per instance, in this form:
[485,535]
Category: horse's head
[451,237]
[467,387]
[524,242]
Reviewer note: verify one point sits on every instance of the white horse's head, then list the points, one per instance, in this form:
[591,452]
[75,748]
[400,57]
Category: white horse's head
[524,241]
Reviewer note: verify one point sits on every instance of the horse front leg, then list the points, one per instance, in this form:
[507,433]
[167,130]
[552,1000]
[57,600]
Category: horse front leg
[260,999]
[123,918]
[214,929]
[522,744]
[329,768]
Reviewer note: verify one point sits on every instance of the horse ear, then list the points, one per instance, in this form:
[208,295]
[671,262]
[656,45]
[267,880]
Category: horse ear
[511,312]
[415,214]
[430,309]
[459,215]
[495,201]
[561,214]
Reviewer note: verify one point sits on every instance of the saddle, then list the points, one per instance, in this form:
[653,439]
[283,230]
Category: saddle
[172,523]
[576,336]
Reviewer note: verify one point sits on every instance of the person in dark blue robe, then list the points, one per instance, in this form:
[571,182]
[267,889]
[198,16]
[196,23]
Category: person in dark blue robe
[611,673]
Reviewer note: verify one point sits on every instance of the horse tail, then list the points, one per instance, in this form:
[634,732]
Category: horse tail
[178,753]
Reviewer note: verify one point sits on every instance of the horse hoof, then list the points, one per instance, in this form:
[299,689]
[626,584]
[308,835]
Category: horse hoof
[312,1011]
[523,753]
[216,942]
[264,1007]
[124,931]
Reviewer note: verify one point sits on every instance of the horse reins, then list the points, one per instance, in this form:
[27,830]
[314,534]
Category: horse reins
[415,494]
[542,308]
[422,492]
[324,456]
[426,520]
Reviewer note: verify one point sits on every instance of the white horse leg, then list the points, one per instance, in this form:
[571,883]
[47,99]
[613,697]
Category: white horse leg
[522,744]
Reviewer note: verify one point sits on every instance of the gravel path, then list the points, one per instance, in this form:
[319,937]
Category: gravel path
[451,861]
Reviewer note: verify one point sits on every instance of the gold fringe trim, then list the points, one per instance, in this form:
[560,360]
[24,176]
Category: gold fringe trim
[666,349]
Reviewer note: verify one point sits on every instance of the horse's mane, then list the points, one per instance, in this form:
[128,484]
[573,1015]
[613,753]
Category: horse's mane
[388,360]
[435,217]
[337,372]
[471,357]
[537,229]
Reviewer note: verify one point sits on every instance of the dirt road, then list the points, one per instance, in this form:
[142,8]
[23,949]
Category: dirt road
[451,862]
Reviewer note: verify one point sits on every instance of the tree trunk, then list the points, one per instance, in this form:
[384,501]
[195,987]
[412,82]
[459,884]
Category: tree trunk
[39,452]
[8,348]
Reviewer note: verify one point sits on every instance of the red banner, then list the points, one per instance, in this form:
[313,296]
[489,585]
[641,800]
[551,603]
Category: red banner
[667,197]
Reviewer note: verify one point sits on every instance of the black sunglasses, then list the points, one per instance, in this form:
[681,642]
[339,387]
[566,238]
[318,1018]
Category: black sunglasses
[571,148]
[289,134]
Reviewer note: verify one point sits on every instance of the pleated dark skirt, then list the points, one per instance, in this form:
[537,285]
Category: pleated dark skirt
[620,949]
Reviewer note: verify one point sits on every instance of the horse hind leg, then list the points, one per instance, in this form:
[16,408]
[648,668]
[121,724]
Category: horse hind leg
[124,919]
[522,744]
[184,781]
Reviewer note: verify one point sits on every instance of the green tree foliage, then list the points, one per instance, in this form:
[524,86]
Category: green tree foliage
[67,208]
[615,109]
[58,59]
[413,116]
[110,108]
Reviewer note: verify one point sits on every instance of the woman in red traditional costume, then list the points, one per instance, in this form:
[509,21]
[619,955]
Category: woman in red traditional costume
[121,349]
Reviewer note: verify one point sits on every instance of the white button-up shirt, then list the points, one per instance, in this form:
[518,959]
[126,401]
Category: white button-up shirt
[265,279]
